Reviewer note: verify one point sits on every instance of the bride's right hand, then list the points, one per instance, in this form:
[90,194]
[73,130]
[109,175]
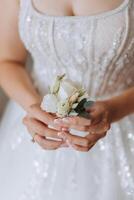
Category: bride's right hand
[37,122]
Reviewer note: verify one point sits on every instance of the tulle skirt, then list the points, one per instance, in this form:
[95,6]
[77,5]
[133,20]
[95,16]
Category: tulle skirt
[28,172]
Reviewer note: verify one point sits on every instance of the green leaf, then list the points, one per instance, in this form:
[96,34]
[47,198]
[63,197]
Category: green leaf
[88,104]
[73,113]
[80,106]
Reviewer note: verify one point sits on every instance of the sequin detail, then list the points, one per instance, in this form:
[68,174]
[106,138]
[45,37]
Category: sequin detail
[99,53]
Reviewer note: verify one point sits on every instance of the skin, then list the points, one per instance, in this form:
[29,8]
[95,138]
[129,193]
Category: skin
[75,7]
[16,82]
[102,115]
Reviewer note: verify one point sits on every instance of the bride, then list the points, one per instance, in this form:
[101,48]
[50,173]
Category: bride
[93,43]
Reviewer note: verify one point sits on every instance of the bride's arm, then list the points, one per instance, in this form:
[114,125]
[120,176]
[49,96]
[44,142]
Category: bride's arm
[15,80]
[17,84]
[13,76]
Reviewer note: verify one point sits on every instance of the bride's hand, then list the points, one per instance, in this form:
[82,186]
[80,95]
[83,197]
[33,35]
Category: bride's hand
[97,126]
[37,122]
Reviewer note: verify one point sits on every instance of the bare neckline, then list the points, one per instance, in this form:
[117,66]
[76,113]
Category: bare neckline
[122,6]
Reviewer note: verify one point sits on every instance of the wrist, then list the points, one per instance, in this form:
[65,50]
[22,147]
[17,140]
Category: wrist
[112,110]
[31,100]
[117,108]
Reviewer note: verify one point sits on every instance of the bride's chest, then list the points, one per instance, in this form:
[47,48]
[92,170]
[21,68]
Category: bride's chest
[74,38]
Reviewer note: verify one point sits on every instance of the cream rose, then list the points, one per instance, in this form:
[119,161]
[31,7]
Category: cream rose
[65,98]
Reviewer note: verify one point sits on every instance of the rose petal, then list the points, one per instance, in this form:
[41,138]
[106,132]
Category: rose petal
[49,103]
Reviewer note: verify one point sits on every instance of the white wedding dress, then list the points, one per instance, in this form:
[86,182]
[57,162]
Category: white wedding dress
[97,51]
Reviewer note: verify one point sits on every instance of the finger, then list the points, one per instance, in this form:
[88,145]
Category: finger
[73,139]
[92,138]
[64,144]
[103,116]
[79,128]
[73,121]
[97,107]
[33,134]
[36,126]
[97,113]
[36,112]
[99,128]
[47,144]
[96,117]
[82,149]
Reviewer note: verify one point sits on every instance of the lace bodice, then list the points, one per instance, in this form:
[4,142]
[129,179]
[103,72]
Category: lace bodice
[96,50]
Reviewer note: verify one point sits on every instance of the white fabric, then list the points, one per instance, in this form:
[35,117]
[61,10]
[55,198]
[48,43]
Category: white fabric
[97,51]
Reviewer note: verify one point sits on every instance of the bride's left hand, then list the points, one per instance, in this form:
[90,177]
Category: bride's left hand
[97,126]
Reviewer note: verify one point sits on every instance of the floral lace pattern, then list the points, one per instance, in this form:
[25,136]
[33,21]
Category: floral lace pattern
[73,46]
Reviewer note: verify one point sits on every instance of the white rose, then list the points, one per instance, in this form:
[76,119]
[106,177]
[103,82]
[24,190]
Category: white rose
[85,95]
[66,90]
[49,103]
[64,97]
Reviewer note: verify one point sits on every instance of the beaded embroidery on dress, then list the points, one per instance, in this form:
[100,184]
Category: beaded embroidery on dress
[97,51]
